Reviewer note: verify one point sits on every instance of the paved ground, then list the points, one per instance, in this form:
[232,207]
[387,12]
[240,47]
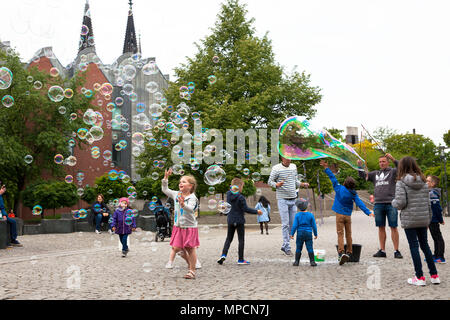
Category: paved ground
[87,266]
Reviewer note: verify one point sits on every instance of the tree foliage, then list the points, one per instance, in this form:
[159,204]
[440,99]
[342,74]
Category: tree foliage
[251,91]
[33,126]
[50,195]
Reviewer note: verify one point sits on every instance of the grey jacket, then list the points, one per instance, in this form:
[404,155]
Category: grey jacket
[412,198]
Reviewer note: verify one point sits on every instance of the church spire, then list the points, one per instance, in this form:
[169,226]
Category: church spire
[87,32]
[130,44]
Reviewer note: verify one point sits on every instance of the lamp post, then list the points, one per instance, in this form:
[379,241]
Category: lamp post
[444,185]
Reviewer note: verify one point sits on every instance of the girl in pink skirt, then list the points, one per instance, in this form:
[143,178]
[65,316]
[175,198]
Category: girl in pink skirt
[184,237]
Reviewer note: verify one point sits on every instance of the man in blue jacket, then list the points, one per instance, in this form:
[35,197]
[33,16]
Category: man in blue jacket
[11,222]
[343,206]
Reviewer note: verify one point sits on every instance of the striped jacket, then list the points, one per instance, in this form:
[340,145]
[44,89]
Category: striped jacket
[290,177]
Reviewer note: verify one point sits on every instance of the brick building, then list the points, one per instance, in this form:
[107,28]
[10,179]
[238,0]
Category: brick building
[96,74]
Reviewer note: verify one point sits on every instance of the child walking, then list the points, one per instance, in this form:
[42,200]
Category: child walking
[304,225]
[436,219]
[263,219]
[122,224]
[236,220]
[413,199]
[343,207]
[184,237]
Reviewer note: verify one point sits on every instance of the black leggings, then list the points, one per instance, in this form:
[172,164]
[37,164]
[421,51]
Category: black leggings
[261,225]
[241,235]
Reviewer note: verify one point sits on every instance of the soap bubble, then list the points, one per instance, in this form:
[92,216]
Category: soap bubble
[299,142]
[28,159]
[113,175]
[214,175]
[256,176]
[56,93]
[234,189]
[155,175]
[129,72]
[155,110]
[150,68]
[82,133]
[82,213]
[223,207]
[106,89]
[71,161]
[140,107]
[212,204]
[246,171]
[54,72]
[119,101]
[68,179]
[215,59]
[8,101]
[84,30]
[6,78]
[212,79]
[151,87]
[37,85]
[62,110]
[68,93]
[37,210]
[97,133]
[107,155]
[59,159]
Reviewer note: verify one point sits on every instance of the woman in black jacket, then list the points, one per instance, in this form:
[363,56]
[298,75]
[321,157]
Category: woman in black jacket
[101,213]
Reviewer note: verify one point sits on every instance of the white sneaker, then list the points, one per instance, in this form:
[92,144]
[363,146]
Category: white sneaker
[435,279]
[97,232]
[169,265]
[198,265]
[418,282]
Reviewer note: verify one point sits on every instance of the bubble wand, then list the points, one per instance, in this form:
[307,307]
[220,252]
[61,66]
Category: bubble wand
[379,147]
[320,198]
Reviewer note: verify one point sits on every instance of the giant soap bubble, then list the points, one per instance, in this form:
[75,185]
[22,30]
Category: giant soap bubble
[299,142]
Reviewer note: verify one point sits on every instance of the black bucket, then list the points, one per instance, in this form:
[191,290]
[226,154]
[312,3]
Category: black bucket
[356,252]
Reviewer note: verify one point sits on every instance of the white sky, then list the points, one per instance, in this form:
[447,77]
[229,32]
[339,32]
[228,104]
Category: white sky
[379,63]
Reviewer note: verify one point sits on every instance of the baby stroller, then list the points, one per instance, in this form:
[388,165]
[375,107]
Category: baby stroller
[163,223]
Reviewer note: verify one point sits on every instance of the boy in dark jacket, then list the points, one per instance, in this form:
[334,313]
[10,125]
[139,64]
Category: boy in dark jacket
[343,206]
[236,220]
[439,245]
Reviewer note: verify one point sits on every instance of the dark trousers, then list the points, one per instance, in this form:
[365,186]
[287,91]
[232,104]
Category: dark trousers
[123,240]
[12,227]
[241,234]
[439,244]
[98,221]
[306,238]
[417,237]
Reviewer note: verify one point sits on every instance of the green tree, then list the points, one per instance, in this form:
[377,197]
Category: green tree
[415,145]
[446,138]
[50,195]
[251,91]
[34,126]
[111,189]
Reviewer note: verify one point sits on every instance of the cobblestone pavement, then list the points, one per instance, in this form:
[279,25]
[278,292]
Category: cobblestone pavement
[87,266]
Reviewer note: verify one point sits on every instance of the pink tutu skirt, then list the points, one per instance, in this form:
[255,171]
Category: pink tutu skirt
[184,238]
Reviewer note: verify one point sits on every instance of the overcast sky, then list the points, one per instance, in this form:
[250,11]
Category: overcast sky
[379,63]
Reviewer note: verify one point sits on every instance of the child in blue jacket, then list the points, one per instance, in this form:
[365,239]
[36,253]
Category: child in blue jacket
[436,220]
[305,225]
[343,206]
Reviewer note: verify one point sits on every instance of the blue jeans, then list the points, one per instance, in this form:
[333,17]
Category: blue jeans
[304,237]
[418,237]
[98,220]
[383,211]
[287,210]
[123,240]
[12,228]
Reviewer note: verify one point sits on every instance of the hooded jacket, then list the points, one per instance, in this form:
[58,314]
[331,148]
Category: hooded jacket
[343,201]
[436,205]
[412,198]
[118,222]
[238,208]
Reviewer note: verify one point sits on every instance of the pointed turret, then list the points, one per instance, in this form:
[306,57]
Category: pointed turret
[130,44]
[87,32]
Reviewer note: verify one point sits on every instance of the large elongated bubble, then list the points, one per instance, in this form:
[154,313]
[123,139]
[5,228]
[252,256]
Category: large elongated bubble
[299,142]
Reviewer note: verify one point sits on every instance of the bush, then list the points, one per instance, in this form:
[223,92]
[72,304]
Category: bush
[50,195]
